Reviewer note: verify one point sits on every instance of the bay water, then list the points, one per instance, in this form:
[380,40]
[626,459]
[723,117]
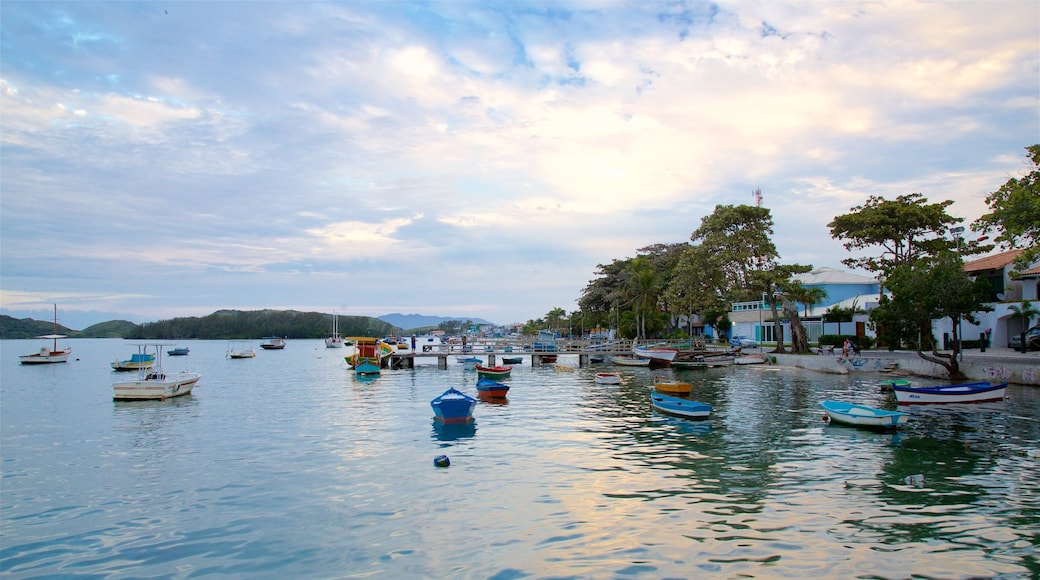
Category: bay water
[288,465]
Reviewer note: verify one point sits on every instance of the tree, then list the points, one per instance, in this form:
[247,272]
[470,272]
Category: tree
[933,289]
[642,291]
[554,317]
[1015,212]
[906,229]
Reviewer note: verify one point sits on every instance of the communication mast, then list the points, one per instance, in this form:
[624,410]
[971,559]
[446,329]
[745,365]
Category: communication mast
[757,194]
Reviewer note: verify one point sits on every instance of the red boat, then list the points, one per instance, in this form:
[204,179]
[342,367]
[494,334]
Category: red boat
[495,372]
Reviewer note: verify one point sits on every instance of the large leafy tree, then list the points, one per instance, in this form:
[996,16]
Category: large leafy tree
[930,289]
[905,229]
[1015,212]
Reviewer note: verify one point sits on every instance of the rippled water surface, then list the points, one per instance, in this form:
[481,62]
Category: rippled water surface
[287,465]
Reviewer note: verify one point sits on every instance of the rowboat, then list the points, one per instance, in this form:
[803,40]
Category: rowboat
[178,351]
[496,372]
[608,378]
[368,352]
[547,358]
[679,407]
[155,383]
[862,415]
[664,385]
[51,354]
[468,362]
[563,368]
[137,361]
[659,357]
[980,392]
[453,406]
[489,388]
[751,359]
[512,360]
[630,361]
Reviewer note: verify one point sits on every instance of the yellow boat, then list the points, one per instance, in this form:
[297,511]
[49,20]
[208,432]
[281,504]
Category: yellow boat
[669,386]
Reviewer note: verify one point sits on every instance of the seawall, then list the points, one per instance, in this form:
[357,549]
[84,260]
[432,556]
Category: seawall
[1019,368]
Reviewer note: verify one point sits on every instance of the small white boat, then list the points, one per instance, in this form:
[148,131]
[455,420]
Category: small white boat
[51,354]
[658,356]
[980,392]
[155,383]
[630,361]
[334,340]
[273,343]
[240,350]
[608,378]
[862,415]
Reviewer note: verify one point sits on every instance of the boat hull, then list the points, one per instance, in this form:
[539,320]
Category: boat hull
[155,386]
[453,406]
[672,387]
[493,372]
[863,416]
[367,368]
[659,357]
[982,392]
[677,407]
[492,389]
[630,361]
[178,351]
[40,358]
[608,378]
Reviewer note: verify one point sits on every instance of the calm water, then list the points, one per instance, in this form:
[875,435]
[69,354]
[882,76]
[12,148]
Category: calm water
[287,465]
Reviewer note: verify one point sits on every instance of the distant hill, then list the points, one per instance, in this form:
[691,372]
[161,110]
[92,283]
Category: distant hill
[411,321]
[11,327]
[221,325]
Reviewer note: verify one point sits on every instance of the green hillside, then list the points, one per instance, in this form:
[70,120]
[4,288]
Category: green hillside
[221,325]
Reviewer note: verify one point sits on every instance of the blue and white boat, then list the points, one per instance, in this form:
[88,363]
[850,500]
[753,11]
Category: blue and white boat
[862,415]
[468,362]
[453,406]
[981,392]
[137,361]
[685,408]
[489,388]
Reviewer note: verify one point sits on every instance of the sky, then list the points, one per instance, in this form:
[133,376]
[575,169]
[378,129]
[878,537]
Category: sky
[470,159]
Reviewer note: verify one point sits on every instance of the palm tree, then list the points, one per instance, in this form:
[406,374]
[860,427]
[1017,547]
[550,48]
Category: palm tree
[643,290]
[554,317]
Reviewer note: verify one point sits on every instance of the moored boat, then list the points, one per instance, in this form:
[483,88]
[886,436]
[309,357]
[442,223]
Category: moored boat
[750,359]
[862,415]
[679,407]
[663,385]
[659,356]
[178,351]
[137,361]
[240,349]
[489,388]
[155,383]
[980,392]
[273,343]
[495,372]
[334,340]
[368,352]
[563,368]
[453,406]
[468,362]
[630,361]
[608,378]
[51,354]
[512,360]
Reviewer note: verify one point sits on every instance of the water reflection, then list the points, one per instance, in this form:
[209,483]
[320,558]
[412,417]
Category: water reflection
[453,431]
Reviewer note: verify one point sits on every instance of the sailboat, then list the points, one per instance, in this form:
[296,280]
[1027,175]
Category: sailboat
[48,355]
[334,340]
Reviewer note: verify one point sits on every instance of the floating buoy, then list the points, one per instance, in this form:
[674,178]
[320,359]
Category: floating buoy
[441,461]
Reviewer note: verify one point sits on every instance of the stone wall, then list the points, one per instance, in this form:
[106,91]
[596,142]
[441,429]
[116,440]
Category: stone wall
[1023,372]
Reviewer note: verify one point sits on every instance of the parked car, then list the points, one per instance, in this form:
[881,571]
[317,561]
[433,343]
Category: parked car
[742,342]
[1032,339]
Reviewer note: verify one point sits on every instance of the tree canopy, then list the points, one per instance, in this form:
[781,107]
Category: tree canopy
[1015,212]
[905,229]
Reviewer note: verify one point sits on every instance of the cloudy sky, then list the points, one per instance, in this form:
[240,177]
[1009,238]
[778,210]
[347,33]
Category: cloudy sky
[165,159]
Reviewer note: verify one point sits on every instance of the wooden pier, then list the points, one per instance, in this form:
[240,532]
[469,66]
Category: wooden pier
[493,349]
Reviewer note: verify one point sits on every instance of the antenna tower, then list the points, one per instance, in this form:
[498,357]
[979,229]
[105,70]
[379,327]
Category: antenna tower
[757,194]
